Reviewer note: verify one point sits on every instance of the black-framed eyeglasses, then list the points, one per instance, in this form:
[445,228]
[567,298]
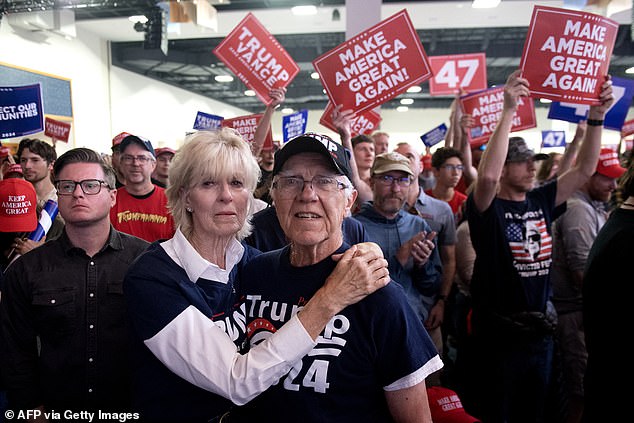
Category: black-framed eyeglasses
[129,159]
[388,180]
[290,186]
[88,186]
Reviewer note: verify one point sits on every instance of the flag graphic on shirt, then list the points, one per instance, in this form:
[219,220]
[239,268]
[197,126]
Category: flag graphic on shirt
[529,241]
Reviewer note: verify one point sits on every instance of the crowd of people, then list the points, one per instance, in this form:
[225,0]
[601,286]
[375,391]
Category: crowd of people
[324,280]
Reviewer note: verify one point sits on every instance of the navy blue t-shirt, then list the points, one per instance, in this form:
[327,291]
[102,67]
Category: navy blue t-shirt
[365,347]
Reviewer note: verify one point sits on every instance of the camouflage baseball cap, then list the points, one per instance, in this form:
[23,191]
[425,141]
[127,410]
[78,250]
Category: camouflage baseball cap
[519,151]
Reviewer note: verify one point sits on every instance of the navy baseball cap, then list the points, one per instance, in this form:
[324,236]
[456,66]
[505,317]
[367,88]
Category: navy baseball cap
[133,139]
[311,142]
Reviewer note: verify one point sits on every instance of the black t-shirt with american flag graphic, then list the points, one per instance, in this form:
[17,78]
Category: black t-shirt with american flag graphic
[513,244]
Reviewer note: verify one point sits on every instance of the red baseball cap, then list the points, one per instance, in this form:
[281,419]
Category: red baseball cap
[426,161]
[118,138]
[13,168]
[164,150]
[609,164]
[18,204]
[446,407]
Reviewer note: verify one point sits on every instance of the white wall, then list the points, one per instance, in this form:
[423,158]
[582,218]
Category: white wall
[160,112]
[106,101]
[83,61]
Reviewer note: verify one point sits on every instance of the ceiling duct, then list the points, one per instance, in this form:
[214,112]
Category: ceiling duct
[59,21]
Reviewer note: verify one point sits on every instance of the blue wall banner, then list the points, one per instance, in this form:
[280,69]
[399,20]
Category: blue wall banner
[435,135]
[553,139]
[294,125]
[207,121]
[21,111]
[623,90]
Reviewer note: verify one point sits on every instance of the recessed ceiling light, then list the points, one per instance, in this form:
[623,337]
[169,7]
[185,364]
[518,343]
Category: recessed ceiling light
[545,100]
[304,10]
[314,75]
[138,18]
[249,93]
[485,4]
[407,101]
[402,108]
[223,78]
[414,89]
[287,110]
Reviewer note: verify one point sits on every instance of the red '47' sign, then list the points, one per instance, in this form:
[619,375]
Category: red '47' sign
[362,123]
[486,107]
[375,65]
[257,58]
[451,73]
[567,54]
[246,126]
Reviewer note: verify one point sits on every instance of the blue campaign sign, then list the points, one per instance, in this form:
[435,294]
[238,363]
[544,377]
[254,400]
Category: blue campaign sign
[21,111]
[294,125]
[553,138]
[207,121]
[623,90]
[435,135]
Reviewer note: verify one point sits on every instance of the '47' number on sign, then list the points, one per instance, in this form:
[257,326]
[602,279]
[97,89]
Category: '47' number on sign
[447,74]
[466,71]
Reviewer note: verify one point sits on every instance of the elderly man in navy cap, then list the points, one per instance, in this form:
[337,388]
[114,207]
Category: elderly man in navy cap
[141,208]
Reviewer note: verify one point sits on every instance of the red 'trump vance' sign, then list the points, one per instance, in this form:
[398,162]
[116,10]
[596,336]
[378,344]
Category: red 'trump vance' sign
[257,58]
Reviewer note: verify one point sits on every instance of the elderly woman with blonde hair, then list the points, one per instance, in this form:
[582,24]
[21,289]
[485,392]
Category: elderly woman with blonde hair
[188,322]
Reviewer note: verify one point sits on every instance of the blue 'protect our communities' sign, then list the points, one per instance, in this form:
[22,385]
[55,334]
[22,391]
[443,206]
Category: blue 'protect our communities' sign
[21,111]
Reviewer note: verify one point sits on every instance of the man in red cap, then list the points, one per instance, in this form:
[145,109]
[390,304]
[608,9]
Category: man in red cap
[116,158]
[574,233]
[18,215]
[164,157]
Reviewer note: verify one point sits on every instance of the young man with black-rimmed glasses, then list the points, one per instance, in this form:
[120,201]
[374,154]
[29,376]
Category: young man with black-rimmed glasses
[62,309]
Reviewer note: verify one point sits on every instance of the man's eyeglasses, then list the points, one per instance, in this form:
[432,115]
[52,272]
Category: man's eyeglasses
[453,167]
[388,180]
[128,159]
[88,186]
[290,186]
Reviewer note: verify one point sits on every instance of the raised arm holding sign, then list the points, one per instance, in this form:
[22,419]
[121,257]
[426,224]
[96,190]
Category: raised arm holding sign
[567,54]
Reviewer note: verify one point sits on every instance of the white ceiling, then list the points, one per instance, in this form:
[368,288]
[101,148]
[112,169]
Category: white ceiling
[424,15]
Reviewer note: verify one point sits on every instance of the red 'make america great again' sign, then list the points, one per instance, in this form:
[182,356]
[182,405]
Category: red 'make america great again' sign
[567,54]
[375,65]
[257,58]
[246,126]
[362,123]
[486,107]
